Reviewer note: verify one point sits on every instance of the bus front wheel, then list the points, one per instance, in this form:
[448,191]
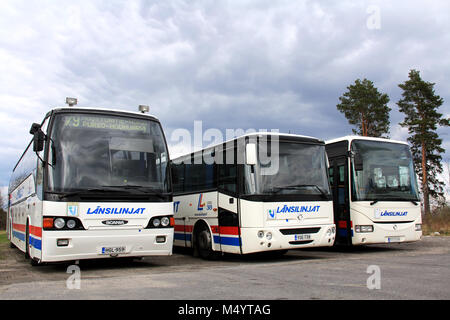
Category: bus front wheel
[204,245]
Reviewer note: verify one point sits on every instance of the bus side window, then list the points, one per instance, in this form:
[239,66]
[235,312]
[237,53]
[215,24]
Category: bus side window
[228,173]
[227,177]
[331,172]
[178,177]
[341,185]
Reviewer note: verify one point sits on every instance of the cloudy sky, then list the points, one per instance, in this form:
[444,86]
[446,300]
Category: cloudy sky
[232,64]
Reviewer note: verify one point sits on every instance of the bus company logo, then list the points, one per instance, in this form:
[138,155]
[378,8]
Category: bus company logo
[176,205]
[271,214]
[201,204]
[100,210]
[72,210]
[115,222]
[297,209]
[386,213]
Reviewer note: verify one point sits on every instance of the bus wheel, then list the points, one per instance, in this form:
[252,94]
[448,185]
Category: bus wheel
[27,243]
[33,262]
[204,245]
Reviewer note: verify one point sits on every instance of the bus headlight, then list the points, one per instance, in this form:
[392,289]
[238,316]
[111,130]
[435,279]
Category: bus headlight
[71,224]
[161,222]
[165,221]
[361,229]
[59,223]
[418,227]
[156,222]
[261,234]
[269,236]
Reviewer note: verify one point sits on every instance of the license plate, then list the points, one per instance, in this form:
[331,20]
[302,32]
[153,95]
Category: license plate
[394,239]
[111,250]
[302,237]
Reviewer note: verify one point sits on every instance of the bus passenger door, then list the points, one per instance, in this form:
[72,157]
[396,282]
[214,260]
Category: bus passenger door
[228,218]
[340,186]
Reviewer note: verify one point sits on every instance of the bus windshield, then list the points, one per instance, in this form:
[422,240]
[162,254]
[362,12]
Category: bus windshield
[387,172]
[302,170]
[95,151]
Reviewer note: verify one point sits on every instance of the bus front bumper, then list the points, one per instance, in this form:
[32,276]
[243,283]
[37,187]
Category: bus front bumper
[388,233]
[93,244]
[294,237]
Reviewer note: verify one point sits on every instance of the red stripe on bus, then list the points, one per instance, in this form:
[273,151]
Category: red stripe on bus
[215,229]
[182,228]
[342,224]
[19,227]
[229,230]
[35,231]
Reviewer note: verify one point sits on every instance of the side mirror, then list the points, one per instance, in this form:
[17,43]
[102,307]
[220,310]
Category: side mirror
[39,137]
[251,157]
[358,162]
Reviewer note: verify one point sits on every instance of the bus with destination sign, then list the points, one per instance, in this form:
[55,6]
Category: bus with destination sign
[376,197]
[92,183]
[259,192]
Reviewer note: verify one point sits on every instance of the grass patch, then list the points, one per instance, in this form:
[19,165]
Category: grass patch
[3,243]
[3,237]
[437,221]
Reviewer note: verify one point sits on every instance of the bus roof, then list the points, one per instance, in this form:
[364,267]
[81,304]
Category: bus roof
[281,135]
[351,138]
[76,108]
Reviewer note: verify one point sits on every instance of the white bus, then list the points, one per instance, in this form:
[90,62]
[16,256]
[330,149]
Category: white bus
[92,183]
[376,198]
[259,192]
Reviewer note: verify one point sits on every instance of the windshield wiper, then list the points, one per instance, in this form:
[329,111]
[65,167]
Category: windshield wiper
[299,186]
[63,195]
[139,188]
[395,199]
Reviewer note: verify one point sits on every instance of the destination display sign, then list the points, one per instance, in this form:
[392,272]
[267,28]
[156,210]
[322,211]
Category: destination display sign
[107,123]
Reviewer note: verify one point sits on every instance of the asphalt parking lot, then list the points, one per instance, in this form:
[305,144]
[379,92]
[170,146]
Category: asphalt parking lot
[418,270]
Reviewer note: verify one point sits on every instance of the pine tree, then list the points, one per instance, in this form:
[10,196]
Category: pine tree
[366,108]
[420,105]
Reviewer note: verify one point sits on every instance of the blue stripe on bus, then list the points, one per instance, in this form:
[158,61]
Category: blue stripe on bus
[36,243]
[178,236]
[19,235]
[228,241]
[343,232]
[182,236]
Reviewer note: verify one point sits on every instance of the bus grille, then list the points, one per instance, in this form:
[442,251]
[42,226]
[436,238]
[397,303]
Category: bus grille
[299,230]
[301,242]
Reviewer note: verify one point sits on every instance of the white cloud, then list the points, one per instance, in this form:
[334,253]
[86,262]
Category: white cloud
[251,64]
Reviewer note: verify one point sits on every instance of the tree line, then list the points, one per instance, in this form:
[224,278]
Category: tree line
[367,109]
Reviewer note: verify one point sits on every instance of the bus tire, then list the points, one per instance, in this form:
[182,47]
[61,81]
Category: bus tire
[33,261]
[27,243]
[11,245]
[204,245]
